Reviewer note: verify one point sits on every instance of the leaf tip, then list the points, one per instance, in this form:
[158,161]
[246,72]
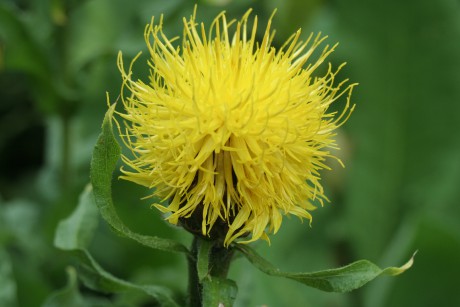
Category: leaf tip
[399,270]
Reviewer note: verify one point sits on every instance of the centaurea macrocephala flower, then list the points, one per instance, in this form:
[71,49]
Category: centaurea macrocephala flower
[230,132]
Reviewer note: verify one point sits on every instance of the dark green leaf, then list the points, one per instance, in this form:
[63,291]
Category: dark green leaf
[105,156]
[343,279]
[202,262]
[21,51]
[219,292]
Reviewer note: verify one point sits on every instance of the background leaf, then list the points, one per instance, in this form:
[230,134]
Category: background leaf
[78,229]
[23,51]
[69,296]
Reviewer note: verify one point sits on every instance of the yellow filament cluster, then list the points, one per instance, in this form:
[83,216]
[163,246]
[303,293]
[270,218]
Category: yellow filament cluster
[238,128]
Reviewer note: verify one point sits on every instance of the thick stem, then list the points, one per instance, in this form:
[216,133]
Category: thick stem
[219,260]
[219,264]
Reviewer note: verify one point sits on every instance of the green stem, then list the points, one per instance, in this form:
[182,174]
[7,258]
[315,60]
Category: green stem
[219,261]
[194,286]
[219,264]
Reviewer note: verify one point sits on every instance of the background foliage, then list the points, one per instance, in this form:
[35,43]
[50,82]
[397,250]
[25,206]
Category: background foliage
[398,193]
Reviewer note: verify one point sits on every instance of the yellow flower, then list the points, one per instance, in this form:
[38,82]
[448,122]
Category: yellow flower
[230,131]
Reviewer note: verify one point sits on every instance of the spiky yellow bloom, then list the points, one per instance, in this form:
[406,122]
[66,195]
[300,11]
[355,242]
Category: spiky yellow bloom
[231,131]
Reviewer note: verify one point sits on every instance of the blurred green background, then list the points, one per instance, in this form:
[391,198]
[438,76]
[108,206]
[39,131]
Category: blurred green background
[398,193]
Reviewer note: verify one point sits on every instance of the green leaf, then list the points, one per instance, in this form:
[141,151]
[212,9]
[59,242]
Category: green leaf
[73,235]
[202,262]
[341,280]
[105,156]
[69,296]
[8,288]
[96,278]
[77,230]
[218,292]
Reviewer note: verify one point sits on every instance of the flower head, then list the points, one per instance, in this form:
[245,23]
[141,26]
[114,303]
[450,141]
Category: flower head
[229,131]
